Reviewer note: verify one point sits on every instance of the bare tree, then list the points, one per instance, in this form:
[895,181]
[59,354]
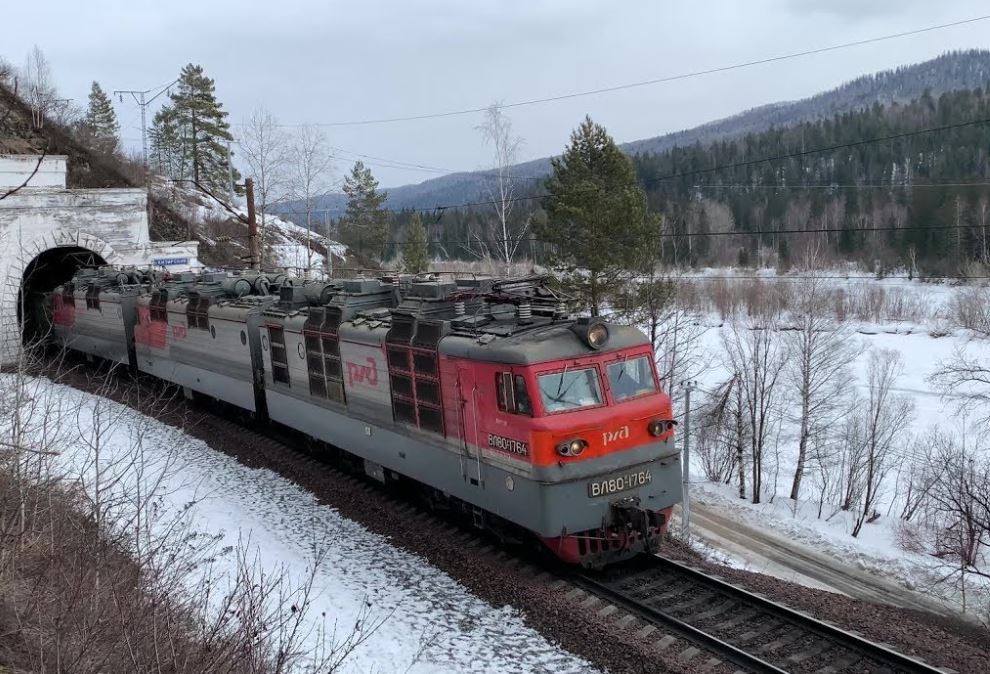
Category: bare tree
[263,145]
[758,356]
[101,577]
[717,439]
[496,131]
[39,88]
[653,302]
[822,350]
[883,419]
[309,176]
[966,378]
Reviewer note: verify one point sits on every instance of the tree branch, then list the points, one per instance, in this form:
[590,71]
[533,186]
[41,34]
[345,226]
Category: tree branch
[15,190]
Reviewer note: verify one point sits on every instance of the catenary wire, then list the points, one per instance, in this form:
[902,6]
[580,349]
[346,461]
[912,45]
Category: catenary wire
[653,81]
[440,208]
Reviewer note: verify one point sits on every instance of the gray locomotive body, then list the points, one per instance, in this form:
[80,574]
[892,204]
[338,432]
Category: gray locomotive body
[485,393]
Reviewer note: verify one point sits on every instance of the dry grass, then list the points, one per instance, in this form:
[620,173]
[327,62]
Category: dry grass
[97,574]
[775,297]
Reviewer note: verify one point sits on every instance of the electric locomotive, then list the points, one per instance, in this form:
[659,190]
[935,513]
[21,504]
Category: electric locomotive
[485,393]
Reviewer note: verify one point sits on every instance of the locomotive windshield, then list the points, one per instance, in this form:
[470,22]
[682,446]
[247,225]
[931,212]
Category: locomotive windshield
[570,390]
[631,377]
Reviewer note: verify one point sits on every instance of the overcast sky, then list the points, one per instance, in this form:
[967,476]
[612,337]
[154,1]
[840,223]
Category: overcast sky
[313,61]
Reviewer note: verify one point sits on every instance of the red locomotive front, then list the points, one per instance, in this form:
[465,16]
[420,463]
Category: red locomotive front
[576,412]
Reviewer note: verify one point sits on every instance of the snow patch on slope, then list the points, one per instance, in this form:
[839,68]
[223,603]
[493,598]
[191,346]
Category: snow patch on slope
[287,240]
[432,624]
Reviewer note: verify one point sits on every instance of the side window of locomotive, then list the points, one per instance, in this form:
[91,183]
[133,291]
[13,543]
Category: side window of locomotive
[503,391]
[630,378]
[511,394]
[521,393]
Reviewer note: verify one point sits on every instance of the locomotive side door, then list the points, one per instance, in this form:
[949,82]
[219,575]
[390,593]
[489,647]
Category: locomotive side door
[467,391]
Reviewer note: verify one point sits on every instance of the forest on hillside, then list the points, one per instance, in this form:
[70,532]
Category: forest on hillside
[919,201]
[920,197]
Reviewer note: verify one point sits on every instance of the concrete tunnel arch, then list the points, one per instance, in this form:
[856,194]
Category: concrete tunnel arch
[41,267]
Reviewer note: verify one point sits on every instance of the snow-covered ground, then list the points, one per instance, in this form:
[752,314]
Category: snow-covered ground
[429,622]
[923,340]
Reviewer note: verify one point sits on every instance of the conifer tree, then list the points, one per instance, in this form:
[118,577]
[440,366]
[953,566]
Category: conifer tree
[100,121]
[415,257]
[194,126]
[597,221]
[365,225]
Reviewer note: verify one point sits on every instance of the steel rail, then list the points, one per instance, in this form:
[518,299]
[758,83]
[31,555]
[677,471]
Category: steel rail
[869,649]
[856,645]
[710,643]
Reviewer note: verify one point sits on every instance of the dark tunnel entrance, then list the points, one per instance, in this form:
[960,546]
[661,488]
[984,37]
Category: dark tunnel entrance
[43,274]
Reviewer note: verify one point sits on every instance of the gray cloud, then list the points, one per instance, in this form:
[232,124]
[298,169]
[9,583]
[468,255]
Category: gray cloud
[313,61]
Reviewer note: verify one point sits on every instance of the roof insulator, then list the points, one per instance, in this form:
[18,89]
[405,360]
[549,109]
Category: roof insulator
[525,312]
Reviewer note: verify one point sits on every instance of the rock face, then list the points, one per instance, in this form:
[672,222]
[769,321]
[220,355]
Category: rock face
[48,230]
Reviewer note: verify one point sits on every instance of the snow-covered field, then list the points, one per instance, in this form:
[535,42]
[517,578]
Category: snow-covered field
[924,339]
[429,622]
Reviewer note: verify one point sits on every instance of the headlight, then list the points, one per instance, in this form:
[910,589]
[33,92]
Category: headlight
[597,336]
[572,447]
[592,331]
[658,427]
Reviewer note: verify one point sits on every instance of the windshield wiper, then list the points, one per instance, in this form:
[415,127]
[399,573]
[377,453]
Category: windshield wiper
[562,375]
[622,369]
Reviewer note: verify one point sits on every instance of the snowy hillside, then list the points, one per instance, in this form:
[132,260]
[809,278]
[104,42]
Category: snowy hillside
[287,245]
[892,490]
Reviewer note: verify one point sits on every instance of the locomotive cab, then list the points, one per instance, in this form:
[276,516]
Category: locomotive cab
[574,409]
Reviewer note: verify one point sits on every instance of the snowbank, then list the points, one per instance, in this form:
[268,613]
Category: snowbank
[430,622]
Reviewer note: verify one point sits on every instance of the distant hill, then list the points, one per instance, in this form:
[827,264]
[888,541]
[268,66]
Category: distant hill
[950,72]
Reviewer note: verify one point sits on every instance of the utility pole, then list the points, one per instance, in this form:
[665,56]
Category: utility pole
[326,226]
[141,98]
[230,176]
[686,463]
[252,225]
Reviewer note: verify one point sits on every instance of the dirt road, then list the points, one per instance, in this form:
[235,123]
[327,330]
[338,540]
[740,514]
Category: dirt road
[776,556]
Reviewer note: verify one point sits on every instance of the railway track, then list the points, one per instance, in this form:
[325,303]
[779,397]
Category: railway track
[745,629]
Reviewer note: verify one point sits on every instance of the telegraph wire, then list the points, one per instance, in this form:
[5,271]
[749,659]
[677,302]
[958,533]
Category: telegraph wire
[719,186]
[715,169]
[654,81]
[754,162]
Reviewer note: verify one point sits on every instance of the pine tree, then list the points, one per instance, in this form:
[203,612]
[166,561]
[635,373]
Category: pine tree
[365,226]
[597,221]
[415,257]
[167,155]
[101,122]
[190,134]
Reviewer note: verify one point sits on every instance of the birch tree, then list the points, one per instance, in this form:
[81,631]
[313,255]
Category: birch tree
[496,131]
[264,146]
[39,88]
[758,357]
[309,176]
[823,350]
[884,418]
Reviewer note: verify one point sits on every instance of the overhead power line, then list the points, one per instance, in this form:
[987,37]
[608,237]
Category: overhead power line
[440,208]
[725,186]
[753,162]
[752,232]
[653,81]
